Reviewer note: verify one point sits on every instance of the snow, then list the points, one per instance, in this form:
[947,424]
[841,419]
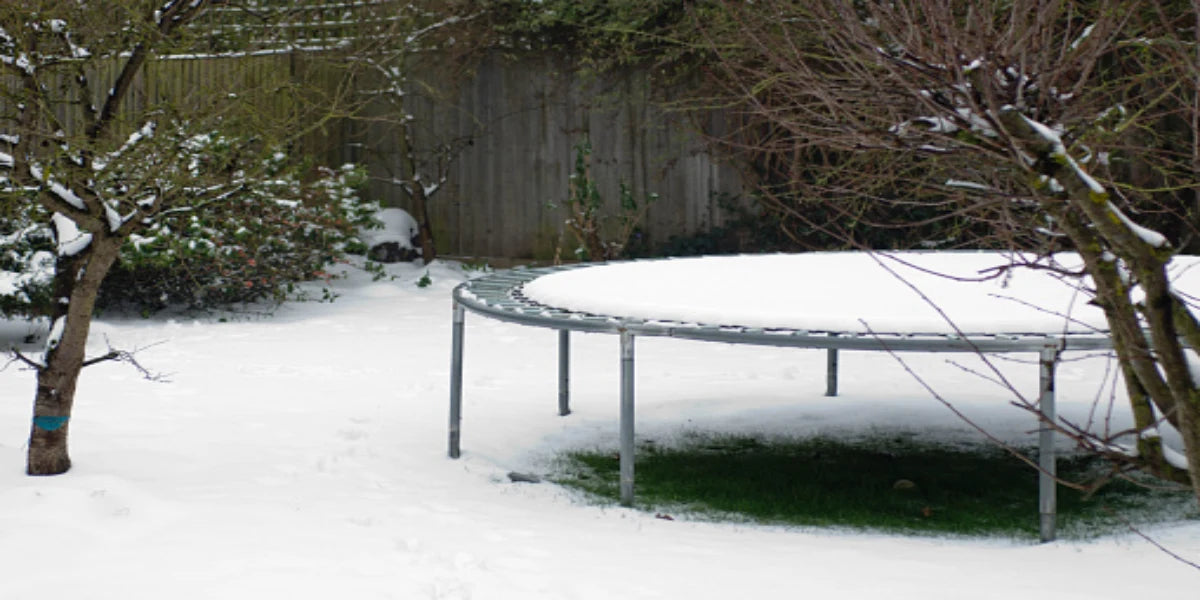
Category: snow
[303,456]
[1175,458]
[978,123]
[37,269]
[71,241]
[1047,134]
[9,283]
[146,131]
[56,333]
[1087,31]
[138,241]
[115,220]
[64,193]
[970,185]
[21,62]
[1052,184]
[928,124]
[1050,135]
[1151,237]
[847,292]
[398,227]
[1088,180]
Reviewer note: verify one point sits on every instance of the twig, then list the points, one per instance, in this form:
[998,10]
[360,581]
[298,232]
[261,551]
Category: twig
[17,356]
[977,373]
[129,356]
[1066,317]
[949,321]
[1151,540]
[987,434]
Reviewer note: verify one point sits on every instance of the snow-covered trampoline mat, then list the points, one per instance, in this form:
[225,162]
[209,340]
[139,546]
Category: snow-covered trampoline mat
[896,301]
[851,292]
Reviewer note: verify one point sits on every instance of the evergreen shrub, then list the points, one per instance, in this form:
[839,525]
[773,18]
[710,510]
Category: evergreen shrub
[282,222]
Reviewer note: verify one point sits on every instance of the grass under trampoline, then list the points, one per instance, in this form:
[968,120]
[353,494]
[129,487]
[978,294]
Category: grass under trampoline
[889,483]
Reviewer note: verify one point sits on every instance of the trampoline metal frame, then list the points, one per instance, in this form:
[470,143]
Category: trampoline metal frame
[500,296]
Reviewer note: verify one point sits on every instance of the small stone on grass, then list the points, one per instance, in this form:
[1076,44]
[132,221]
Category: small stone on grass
[516,477]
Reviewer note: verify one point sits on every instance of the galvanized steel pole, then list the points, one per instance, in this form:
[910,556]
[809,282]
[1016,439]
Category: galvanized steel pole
[627,450]
[564,372]
[456,370]
[831,372]
[1047,490]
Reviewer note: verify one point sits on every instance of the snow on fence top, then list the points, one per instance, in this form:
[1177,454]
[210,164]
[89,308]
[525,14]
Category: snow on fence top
[299,24]
[895,293]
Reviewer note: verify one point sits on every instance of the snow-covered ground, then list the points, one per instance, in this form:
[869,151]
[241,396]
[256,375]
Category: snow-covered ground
[303,455]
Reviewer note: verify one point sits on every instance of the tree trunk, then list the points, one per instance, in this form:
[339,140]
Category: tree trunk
[78,279]
[1156,371]
[421,205]
[1189,430]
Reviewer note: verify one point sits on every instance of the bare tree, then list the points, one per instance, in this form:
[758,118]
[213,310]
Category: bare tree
[101,163]
[409,81]
[427,154]
[1049,124]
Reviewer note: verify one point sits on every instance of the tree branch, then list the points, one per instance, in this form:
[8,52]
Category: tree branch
[175,14]
[129,357]
[18,356]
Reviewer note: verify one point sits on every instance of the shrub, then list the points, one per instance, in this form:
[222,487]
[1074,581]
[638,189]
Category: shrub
[255,243]
[26,262]
[274,233]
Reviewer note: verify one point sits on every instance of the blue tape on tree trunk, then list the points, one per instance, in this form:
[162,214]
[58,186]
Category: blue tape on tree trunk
[50,423]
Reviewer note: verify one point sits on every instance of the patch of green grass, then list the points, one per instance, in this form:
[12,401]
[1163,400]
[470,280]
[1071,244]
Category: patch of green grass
[890,483]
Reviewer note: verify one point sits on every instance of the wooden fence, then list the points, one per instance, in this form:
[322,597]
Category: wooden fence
[514,125]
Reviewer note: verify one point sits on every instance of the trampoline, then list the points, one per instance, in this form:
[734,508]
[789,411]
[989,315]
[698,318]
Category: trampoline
[966,302]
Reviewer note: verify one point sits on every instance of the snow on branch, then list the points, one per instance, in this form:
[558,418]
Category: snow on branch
[1147,235]
[147,131]
[114,218]
[1087,31]
[20,61]
[58,189]
[71,241]
[969,185]
[60,27]
[1059,153]
[418,34]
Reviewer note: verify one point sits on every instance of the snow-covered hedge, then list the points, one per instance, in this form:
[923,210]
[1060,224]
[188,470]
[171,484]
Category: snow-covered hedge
[281,227]
[26,261]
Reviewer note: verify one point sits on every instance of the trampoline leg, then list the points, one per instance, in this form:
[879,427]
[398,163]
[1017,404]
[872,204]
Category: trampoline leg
[564,372]
[831,372]
[1047,491]
[456,369]
[627,418]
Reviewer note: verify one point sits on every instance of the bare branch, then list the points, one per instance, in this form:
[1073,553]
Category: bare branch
[130,357]
[1138,532]
[32,364]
